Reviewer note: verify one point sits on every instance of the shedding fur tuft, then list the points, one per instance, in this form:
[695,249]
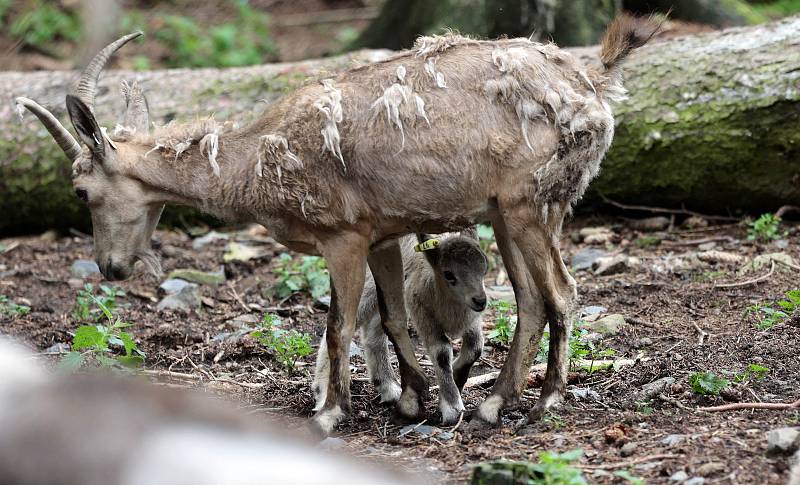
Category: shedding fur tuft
[625,34]
[330,105]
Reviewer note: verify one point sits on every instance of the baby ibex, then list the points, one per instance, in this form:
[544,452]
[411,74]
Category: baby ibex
[444,298]
[452,133]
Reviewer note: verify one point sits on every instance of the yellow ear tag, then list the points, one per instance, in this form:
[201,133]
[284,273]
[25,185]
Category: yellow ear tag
[426,245]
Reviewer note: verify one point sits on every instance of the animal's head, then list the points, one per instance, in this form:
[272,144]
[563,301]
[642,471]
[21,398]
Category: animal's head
[124,212]
[459,262]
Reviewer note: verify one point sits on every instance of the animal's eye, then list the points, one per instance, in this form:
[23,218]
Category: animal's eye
[450,277]
[82,194]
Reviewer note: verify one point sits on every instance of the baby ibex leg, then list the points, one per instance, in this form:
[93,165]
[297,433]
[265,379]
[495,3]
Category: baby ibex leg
[386,265]
[346,257]
[376,353]
[441,352]
[471,349]
[530,325]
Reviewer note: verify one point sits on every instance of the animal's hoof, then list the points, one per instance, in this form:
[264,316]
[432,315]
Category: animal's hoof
[390,393]
[480,425]
[543,406]
[326,420]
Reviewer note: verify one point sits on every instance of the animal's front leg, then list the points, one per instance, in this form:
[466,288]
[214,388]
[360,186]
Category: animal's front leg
[386,265]
[450,403]
[346,258]
[471,349]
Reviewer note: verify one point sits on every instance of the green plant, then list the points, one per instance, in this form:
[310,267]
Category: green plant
[44,23]
[11,309]
[94,343]
[707,384]
[647,241]
[765,228]
[778,8]
[551,469]
[504,323]
[580,348]
[755,371]
[4,5]
[310,274]
[244,41]
[288,345]
[629,478]
[771,316]
[84,311]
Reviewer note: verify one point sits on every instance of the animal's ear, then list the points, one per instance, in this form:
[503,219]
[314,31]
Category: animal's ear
[432,254]
[470,232]
[86,125]
[137,112]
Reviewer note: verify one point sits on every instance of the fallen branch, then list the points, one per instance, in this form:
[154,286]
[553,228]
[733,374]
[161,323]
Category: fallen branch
[790,265]
[628,463]
[662,210]
[751,281]
[675,402]
[697,242]
[752,405]
[786,208]
[702,334]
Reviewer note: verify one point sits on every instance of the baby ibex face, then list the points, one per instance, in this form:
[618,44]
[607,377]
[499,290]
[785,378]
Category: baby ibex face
[461,265]
[124,212]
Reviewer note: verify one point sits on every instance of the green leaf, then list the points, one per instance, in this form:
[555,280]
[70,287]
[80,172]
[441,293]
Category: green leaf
[89,337]
[127,342]
[707,384]
[627,476]
[131,360]
[105,309]
[71,362]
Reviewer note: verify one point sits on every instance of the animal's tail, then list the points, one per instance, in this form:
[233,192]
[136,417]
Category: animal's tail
[625,34]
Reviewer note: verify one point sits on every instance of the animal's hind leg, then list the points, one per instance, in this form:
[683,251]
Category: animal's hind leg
[530,325]
[321,374]
[386,264]
[376,353]
[539,244]
[346,257]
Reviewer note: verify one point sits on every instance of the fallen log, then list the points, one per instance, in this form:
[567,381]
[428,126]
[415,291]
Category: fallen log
[711,123]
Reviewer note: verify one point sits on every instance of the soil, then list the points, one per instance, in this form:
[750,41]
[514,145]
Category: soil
[667,305]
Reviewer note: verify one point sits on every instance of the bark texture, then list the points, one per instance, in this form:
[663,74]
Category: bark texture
[712,123]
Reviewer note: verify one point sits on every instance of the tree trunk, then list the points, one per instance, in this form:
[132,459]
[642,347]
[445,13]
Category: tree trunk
[711,123]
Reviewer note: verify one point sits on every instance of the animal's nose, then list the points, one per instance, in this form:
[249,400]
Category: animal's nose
[478,304]
[112,271]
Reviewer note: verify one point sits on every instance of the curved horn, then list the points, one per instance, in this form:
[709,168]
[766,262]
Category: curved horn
[60,134]
[87,84]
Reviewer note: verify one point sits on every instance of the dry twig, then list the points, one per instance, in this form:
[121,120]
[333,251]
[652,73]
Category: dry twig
[702,334]
[662,210]
[625,464]
[752,405]
[751,281]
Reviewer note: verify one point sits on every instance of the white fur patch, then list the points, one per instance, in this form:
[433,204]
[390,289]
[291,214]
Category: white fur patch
[276,148]
[392,100]
[401,74]
[430,69]
[330,105]
[407,405]
[210,145]
[489,409]
[328,419]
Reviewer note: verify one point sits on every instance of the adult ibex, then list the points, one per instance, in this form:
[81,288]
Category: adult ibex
[452,133]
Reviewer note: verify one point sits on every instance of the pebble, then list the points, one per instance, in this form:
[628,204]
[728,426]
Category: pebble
[628,449]
[212,236]
[242,252]
[695,481]
[608,325]
[672,440]
[584,394]
[59,348]
[783,440]
[711,468]
[83,268]
[213,278]
[656,387]
[185,299]
[592,310]
[426,431]
[764,261]
[610,265]
[585,258]
[679,476]
[172,286]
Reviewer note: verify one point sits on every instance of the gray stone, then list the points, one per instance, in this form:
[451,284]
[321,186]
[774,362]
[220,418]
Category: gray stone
[782,441]
[212,236]
[584,394]
[242,252]
[672,440]
[608,325]
[231,337]
[200,277]
[628,449]
[611,265]
[83,268]
[172,286]
[656,387]
[695,481]
[650,224]
[585,258]
[592,310]
[426,431]
[185,299]
[711,468]
[59,348]
[505,293]
[245,320]
[679,476]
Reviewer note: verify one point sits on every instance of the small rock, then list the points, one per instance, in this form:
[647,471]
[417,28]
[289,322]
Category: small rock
[764,261]
[505,293]
[332,443]
[711,468]
[244,320]
[212,236]
[608,325]
[323,302]
[49,236]
[241,252]
[75,283]
[642,342]
[610,265]
[650,224]
[695,481]
[656,387]
[672,440]
[59,348]
[628,449]
[584,394]
[707,246]
[172,286]
[595,235]
[679,476]
[231,337]
[200,277]
[585,258]
[185,299]
[592,310]
[694,222]
[783,440]
[426,431]
[83,268]
[781,243]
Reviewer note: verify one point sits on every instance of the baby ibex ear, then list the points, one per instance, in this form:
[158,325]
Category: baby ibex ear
[429,247]
[86,125]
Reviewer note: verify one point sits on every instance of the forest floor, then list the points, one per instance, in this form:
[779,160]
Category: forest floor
[678,322]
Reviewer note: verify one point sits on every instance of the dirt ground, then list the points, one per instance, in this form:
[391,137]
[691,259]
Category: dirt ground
[678,323]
